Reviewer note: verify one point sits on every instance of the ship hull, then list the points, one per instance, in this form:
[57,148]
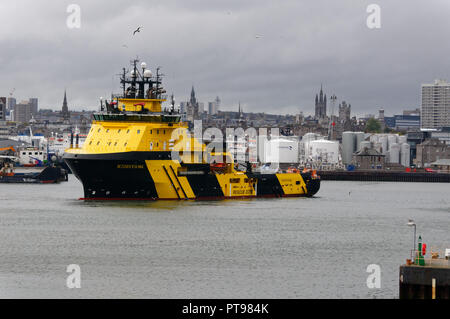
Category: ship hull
[154,176]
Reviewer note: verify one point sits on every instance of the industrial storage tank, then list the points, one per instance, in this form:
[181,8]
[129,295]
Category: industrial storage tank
[401,139]
[394,153]
[405,155]
[392,139]
[359,137]
[348,147]
[326,151]
[281,150]
[310,137]
[378,147]
[384,144]
[374,138]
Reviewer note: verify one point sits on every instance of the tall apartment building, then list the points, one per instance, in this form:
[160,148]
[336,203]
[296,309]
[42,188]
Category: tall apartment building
[2,108]
[11,103]
[23,112]
[435,104]
[34,105]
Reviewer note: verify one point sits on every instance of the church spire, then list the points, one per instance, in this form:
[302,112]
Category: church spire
[65,108]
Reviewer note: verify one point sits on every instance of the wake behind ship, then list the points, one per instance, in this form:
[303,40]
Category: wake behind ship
[129,154]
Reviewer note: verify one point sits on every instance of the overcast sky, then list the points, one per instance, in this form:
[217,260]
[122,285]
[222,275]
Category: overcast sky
[270,55]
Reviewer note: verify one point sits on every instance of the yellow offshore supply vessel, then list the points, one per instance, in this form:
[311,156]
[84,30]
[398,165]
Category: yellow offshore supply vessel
[135,149]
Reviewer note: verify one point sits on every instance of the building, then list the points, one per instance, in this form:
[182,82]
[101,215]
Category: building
[430,151]
[212,108]
[436,104]
[368,158]
[192,107]
[65,109]
[407,122]
[441,165]
[321,105]
[22,112]
[2,108]
[344,122]
[183,107]
[11,103]
[34,105]
[412,112]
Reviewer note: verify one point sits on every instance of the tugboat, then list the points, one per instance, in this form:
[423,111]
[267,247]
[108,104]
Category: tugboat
[136,150]
[34,175]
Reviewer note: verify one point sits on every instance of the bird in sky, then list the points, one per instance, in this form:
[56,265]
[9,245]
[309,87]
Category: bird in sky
[258,36]
[125,46]
[137,30]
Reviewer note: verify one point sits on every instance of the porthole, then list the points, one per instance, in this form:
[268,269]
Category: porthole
[138,131]
[98,142]
[125,144]
[119,131]
[115,143]
[128,131]
[107,130]
[99,130]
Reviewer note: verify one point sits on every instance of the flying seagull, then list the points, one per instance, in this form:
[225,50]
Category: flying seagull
[137,30]
[124,45]
[258,36]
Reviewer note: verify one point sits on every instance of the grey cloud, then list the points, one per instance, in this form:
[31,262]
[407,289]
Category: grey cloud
[213,45]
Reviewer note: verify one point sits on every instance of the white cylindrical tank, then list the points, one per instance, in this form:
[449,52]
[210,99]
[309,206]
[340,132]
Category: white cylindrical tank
[324,150]
[348,147]
[384,144]
[394,153]
[310,137]
[374,138]
[359,138]
[282,150]
[378,147]
[405,156]
[392,139]
[401,139]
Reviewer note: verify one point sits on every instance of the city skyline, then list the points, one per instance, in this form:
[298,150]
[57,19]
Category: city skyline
[232,52]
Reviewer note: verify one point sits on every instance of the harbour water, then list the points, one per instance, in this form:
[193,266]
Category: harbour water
[262,248]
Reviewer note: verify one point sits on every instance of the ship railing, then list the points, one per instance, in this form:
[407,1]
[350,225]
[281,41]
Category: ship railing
[434,256]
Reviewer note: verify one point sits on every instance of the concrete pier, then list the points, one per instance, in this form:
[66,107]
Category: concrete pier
[384,176]
[416,282]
